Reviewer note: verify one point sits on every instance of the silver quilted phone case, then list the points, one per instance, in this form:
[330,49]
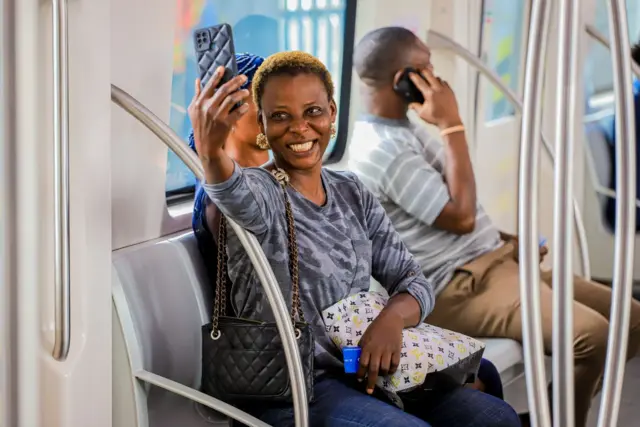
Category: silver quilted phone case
[214,48]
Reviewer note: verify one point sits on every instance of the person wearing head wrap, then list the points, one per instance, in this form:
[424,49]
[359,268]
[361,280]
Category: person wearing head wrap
[243,147]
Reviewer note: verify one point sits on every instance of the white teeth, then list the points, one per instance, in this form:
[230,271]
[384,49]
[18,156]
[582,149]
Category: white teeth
[301,148]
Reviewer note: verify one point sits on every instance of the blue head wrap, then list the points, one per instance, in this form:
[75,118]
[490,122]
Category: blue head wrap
[248,64]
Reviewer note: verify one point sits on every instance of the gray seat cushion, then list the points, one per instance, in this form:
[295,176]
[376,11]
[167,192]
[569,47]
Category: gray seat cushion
[168,298]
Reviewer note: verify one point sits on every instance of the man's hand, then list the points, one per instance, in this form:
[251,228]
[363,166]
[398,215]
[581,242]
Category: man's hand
[440,107]
[544,250]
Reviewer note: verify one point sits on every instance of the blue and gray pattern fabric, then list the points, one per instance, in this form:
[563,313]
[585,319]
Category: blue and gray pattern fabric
[341,246]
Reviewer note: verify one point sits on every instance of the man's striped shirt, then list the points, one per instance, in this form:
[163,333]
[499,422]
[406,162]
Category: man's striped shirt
[402,165]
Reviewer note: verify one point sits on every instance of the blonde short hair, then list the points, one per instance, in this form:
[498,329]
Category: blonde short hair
[291,63]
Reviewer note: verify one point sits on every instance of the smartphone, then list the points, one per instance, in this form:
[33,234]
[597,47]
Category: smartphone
[214,48]
[406,89]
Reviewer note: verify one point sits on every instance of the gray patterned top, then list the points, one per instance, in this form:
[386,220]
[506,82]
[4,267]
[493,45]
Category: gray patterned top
[341,245]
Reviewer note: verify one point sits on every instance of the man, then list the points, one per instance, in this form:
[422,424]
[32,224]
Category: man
[428,189]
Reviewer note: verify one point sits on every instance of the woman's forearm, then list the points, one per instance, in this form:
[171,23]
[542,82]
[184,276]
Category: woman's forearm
[218,168]
[405,306]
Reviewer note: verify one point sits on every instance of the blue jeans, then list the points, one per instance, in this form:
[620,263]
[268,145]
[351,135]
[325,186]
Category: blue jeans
[338,404]
[490,377]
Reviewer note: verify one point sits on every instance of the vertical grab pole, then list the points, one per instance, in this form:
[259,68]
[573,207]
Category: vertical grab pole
[528,216]
[625,216]
[62,279]
[9,300]
[566,119]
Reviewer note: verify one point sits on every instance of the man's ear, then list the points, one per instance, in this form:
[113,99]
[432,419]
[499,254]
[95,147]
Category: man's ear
[396,77]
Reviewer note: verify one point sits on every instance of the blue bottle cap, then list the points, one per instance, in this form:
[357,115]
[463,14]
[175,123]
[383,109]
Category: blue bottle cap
[351,356]
[542,241]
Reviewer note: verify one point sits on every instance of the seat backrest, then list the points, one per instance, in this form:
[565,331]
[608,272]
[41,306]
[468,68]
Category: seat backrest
[168,299]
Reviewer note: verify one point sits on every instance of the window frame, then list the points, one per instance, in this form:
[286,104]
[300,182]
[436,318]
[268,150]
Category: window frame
[185,194]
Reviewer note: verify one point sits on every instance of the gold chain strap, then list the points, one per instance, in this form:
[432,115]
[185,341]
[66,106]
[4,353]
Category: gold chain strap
[296,306]
[220,303]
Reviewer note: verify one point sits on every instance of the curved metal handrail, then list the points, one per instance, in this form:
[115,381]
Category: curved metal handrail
[602,39]
[625,216]
[533,345]
[570,30]
[62,267]
[248,241]
[438,40]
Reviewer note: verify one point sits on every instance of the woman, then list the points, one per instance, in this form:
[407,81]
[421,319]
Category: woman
[344,238]
[241,146]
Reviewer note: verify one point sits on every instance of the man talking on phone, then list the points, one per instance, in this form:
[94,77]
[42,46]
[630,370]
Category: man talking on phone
[428,189]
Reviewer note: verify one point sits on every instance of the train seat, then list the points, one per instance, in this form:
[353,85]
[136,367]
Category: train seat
[161,297]
[506,355]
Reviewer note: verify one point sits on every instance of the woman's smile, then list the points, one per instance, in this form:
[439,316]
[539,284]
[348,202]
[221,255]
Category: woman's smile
[303,148]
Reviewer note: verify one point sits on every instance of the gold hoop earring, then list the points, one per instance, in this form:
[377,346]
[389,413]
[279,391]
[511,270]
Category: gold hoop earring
[334,131]
[262,142]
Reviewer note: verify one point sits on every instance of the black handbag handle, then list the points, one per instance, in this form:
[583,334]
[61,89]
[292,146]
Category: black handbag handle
[220,303]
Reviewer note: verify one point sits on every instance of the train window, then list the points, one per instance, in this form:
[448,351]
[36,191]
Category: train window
[325,28]
[503,30]
[599,77]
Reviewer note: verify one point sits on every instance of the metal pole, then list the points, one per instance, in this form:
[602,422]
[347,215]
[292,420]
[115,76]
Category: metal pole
[9,406]
[437,40]
[61,235]
[248,241]
[602,39]
[625,216]
[566,119]
[528,216]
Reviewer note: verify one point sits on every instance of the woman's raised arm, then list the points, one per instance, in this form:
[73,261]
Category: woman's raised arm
[241,196]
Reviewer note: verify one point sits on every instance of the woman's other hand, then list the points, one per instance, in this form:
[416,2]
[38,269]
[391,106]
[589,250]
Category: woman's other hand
[211,115]
[381,345]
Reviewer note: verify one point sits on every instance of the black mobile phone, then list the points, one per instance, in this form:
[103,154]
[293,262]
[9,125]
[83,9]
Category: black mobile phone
[214,48]
[406,89]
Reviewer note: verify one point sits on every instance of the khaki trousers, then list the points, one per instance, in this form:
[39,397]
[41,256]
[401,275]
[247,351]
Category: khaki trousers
[483,300]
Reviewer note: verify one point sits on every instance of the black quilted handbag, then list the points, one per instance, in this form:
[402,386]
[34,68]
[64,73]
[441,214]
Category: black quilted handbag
[244,359]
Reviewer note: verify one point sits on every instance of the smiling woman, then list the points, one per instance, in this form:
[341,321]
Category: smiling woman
[324,28]
[297,111]
[325,236]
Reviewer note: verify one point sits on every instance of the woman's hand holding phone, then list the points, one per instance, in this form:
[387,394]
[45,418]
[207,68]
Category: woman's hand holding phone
[440,107]
[211,115]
